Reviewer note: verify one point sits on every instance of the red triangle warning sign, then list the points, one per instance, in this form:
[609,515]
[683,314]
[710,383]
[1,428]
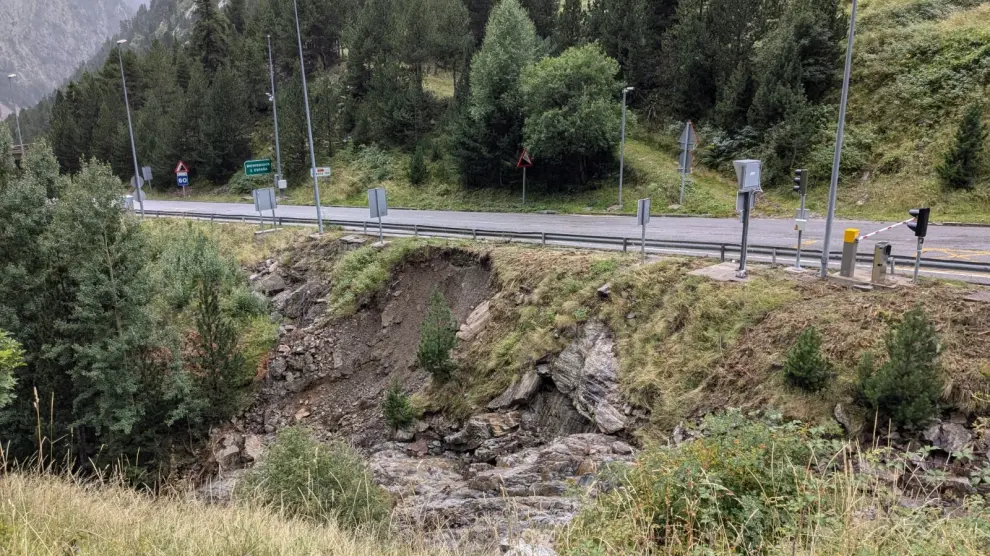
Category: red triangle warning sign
[525,161]
[181,168]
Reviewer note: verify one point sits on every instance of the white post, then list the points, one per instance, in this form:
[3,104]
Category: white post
[278,150]
[524,185]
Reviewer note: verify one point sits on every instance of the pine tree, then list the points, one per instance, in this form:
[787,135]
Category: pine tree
[210,36]
[437,338]
[806,367]
[396,409]
[962,162]
[225,127]
[236,14]
[543,13]
[569,30]
[418,172]
[906,388]
[220,362]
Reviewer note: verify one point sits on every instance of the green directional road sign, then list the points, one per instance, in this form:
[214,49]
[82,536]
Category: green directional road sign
[257,167]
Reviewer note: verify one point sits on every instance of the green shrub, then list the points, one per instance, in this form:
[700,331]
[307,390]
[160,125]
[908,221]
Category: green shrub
[806,367]
[324,482]
[961,163]
[11,357]
[375,162]
[740,487]
[243,303]
[906,388]
[396,409]
[418,172]
[437,337]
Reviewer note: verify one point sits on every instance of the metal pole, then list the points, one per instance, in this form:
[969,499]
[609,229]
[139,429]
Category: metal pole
[745,237]
[309,123]
[622,146]
[130,128]
[278,149]
[642,243]
[524,185]
[381,235]
[683,179]
[797,259]
[834,186]
[917,258]
[17,115]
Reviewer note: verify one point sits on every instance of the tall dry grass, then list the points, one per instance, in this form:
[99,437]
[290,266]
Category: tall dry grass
[44,514]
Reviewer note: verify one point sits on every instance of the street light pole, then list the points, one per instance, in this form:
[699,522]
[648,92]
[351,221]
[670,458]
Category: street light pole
[309,123]
[622,146]
[834,186]
[130,127]
[17,116]
[278,150]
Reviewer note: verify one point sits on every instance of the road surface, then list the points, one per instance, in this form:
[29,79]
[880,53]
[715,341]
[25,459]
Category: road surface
[962,243]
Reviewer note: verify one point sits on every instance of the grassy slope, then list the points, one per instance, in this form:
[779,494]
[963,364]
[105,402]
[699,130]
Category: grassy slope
[50,515]
[686,344]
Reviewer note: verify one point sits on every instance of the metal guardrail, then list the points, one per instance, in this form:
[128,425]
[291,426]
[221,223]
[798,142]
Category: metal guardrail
[695,248]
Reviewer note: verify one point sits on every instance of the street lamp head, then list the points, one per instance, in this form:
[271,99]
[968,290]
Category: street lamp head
[11,75]
[628,89]
[122,42]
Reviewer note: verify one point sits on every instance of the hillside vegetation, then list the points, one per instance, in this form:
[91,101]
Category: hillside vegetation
[387,79]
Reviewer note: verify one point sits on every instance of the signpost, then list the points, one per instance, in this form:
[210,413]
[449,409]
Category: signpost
[642,219]
[379,208]
[688,141]
[321,172]
[257,167]
[748,175]
[264,199]
[525,161]
[182,176]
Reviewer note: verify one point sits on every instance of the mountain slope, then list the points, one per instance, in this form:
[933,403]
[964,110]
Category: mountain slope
[46,41]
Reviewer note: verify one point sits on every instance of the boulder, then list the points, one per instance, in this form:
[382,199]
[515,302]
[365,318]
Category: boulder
[269,285]
[587,371]
[253,448]
[948,437]
[520,391]
[482,427]
[476,322]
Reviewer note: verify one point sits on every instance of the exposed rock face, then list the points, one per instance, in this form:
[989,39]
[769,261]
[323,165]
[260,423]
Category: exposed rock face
[476,322]
[587,371]
[949,437]
[520,392]
[529,488]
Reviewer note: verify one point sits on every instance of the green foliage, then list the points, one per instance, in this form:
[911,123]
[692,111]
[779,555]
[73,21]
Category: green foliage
[221,370]
[210,36]
[418,172]
[569,32]
[572,117]
[11,358]
[489,132]
[962,162]
[323,482]
[906,388]
[806,367]
[437,338]
[396,409]
[740,487]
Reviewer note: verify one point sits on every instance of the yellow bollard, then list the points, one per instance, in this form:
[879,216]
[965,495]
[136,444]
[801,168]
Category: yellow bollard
[850,245]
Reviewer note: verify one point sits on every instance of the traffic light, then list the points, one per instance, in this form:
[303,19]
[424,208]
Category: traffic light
[920,224]
[801,181]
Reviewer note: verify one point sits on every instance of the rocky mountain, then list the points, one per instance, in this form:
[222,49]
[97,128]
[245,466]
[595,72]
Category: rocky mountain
[45,42]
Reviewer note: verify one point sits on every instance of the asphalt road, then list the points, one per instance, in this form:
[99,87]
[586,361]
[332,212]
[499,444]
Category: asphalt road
[963,243]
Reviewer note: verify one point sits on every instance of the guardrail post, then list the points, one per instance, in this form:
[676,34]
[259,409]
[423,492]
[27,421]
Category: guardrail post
[365,227]
[543,239]
[415,230]
[773,258]
[625,245]
[721,256]
[211,218]
[474,234]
